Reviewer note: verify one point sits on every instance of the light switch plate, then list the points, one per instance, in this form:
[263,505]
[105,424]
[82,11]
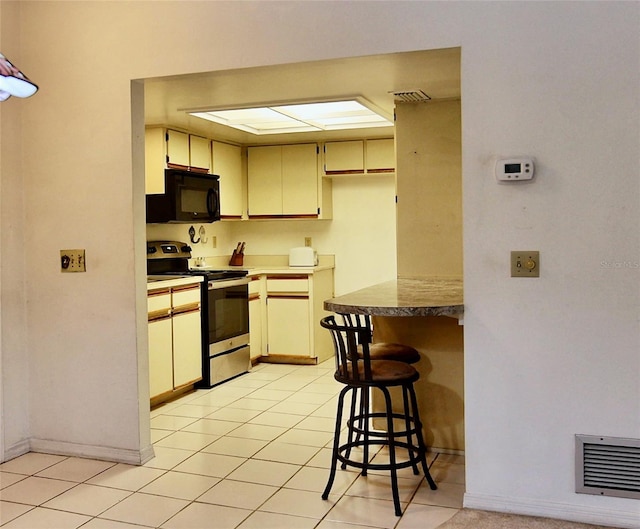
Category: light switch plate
[72,261]
[525,263]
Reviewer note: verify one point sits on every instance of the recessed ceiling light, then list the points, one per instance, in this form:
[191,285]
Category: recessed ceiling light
[299,117]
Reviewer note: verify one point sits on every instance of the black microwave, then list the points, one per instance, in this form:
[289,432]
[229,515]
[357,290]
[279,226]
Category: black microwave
[187,197]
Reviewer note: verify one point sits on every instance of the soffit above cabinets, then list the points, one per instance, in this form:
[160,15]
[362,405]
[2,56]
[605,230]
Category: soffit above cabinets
[375,78]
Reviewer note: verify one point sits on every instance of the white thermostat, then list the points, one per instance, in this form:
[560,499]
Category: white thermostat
[514,169]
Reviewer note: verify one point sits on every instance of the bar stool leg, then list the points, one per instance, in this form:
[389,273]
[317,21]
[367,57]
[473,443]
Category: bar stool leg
[408,420]
[336,443]
[392,452]
[351,425]
[364,409]
[421,445]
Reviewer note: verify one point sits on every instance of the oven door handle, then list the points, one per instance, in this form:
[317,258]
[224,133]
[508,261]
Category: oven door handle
[225,283]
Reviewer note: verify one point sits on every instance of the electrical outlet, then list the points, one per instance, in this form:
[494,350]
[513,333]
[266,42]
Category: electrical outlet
[72,261]
[307,241]
[214,241]
[525,264]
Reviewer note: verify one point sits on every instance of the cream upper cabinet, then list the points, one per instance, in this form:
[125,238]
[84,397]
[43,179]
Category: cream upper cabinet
[167,148]
[283,181]
[199,153]
[344,157]
[155,160]
[177,148]
[359,157]
[300,179]
[227,163]
[380,156]
[264,180]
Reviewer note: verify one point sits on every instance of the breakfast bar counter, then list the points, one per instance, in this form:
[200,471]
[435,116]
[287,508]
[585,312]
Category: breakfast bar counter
[403,297]
[426,314]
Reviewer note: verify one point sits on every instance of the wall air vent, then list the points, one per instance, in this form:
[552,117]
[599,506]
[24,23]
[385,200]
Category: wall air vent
[410,96]
[608,466]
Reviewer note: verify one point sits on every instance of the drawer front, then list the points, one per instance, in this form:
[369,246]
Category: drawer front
[254,285]
[287,285]
[186,296]
[159,301]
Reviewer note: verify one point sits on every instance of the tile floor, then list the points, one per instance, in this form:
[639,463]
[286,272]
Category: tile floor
[250,454]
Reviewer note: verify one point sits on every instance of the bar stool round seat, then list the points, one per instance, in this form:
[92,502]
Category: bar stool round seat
[360,374]
[389,372]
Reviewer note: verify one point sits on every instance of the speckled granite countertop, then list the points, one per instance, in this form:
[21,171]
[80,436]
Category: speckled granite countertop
[403,297]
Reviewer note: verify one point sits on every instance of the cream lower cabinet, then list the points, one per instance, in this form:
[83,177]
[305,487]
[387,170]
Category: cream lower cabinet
[175,343]
[289,321]
[160,356]
[187,348]
[294,309]
[256,328]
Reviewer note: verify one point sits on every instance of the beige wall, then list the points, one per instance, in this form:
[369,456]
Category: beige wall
[429,182]
[560,342]
[361,234]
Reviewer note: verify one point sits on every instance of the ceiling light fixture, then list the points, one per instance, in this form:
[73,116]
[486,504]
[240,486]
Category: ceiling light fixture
[355,113]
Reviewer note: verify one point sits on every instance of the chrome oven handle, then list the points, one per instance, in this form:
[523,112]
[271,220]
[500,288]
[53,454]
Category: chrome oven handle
[225,283]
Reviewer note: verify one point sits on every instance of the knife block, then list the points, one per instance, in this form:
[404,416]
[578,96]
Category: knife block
[237,259]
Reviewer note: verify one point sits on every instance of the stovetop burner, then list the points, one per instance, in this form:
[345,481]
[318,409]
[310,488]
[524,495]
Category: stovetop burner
[171,258]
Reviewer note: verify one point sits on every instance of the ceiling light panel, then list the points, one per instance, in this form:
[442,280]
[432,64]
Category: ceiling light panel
[307,117]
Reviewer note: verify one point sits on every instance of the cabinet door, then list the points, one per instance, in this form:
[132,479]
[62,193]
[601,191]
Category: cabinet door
[187,348]
[381,156]
[200,153]
[227,163]
[300,179]
[160,357]
[288,326]
[344,157]
[177,148]
[154,160]
[265,180]
[255,327]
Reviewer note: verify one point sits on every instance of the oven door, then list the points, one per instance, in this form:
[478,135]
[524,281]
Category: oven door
[228,302]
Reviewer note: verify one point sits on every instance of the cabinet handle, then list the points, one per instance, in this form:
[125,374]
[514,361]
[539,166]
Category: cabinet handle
[158,315]
[159,292]
[184,309]
[277,295]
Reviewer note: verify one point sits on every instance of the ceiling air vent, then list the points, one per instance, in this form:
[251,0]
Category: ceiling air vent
[410,96]
[608,466]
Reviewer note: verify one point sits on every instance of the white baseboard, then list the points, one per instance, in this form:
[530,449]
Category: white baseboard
[560,511]
[16,450]
[117,455]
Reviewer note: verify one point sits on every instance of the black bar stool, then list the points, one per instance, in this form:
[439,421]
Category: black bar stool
[360,374]
[378,351]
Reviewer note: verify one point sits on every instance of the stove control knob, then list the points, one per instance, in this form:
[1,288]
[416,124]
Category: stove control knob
[151,249]
[185,248]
